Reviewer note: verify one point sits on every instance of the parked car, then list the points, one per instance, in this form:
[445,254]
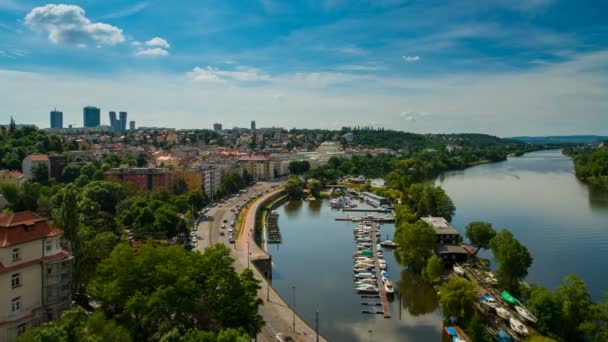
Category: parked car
[281,337]
[222,233]
[231,240]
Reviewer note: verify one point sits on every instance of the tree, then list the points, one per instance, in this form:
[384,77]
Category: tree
[40,174]
[539,338]
[576,302]
[477,330]
[416,242]
[597,328]
[457,299]
[163,288]
[314,186]
[293,186]
[480,234]
[105,193]
[180,186]
[513,259]
[298,167]
[71,172]
[431,273]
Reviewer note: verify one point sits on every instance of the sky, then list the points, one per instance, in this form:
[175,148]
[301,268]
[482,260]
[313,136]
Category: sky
[502,67]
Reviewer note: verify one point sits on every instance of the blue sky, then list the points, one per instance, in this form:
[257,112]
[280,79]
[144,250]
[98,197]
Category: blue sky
[505,67]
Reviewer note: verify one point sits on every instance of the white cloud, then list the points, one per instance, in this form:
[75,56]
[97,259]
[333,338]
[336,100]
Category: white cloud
[153,52]
[409,59]
[240,74]
[125,12]
[67,24]
[412,116]
[158,42]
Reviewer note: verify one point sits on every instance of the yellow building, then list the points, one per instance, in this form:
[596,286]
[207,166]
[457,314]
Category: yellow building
[35,273]
[193,177]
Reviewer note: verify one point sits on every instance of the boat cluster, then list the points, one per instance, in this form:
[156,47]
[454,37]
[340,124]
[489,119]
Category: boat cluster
[342,202]
[365,259]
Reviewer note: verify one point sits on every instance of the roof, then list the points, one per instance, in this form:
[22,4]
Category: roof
[38,157]
[254,158]
[23,227]
[450,249]
[440,225]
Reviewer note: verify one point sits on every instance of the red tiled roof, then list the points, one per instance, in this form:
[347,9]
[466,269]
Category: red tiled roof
[23,227]
[38,157]
[16,174]
[253,158]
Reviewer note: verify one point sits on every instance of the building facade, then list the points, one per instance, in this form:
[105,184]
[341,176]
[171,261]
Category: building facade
[122,121]
[56,119]
[56,165]
[91,117]
[35,273]
[447,245]
[258,167]
[142,178]
[33,161]
[217,127]
[132,125]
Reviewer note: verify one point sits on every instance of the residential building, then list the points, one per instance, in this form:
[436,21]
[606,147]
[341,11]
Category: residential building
[327,147]
[91,117]
[35,273]
[192,176]
[122,122]
[212,178]
[131,125]
[141,178]
[14,177]
[56,165]
[447,245]
[56,119]
[257,166]
[33,161]
[114,125]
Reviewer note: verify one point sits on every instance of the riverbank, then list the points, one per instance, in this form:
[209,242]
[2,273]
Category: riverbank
[276,312]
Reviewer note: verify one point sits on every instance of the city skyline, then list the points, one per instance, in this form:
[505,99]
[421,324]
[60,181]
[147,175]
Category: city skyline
[498,67]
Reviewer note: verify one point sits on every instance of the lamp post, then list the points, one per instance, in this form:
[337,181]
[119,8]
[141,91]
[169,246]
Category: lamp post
[371,336]
[294,309]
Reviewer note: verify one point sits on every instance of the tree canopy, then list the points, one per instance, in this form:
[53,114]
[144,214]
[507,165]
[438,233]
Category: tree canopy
[294,187]
[513,260]
[480,234]
[457,299]
[416,242]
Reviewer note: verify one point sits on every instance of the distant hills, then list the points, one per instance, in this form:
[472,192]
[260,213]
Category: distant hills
[562,139]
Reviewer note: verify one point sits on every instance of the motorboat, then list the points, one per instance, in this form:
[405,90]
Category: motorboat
[364,275]
[525,314]
[384,274]
[458,270]
[367,289]
[388,287]
[388,244]
[518,326]
[366,281]
[380,254]
[489,301]
[503,313]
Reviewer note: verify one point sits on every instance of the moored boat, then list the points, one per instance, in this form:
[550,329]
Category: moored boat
[518,326]
[525,314]
[458,270]
[503,313]
[388,244]
[364,275]
[388,287]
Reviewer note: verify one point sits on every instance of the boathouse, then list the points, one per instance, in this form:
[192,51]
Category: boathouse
[447,244]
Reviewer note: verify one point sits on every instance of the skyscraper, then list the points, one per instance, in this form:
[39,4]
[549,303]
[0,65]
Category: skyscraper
[132,125]
[253,125]
[217,127]
[113,122]
[123,121]
[91,116]
[56,119]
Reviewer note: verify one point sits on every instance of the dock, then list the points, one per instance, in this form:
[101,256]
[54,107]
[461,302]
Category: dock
[385,308]
[372,210]
[373,219]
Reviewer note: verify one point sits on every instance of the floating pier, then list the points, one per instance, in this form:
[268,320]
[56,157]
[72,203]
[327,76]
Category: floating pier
[385,307]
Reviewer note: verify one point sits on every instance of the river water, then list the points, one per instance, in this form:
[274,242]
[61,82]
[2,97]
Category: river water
[537,196]
[316,258]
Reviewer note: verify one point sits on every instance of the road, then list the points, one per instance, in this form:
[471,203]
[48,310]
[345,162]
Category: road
[276,313]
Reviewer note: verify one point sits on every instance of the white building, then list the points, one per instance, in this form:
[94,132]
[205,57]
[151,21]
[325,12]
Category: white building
[33,161]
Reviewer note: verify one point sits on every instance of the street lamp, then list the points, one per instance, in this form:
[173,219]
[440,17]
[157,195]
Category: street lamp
[294,308]
[371,337]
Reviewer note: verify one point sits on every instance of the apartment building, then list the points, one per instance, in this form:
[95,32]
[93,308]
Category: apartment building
[33,161]
[142,178]
[35,273]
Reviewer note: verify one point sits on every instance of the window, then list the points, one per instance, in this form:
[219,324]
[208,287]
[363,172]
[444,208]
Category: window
[16,304]
[16,254]
[21,328]
[48,246]
[49,270]
[16,280]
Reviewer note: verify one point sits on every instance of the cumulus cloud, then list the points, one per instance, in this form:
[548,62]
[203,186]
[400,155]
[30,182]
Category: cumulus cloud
[153,52]
[67,24]
[240,73]
[409,59]
[412,116]
[158,42]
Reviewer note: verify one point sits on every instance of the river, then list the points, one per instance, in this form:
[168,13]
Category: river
[537,196]
[316,257]
[559,219]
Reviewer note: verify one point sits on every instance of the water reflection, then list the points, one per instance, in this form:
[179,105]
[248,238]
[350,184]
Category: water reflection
[292,207]
[315,207]
[598,198]
[418,297]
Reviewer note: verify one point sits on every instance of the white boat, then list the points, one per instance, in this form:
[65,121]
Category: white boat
[365,281]
[458,270]
[383,267]
[380,254]
[388,287]
[388,244]
[525,314]
[364,275]
[489,301]
[518,326]
[367,289]
[503,313]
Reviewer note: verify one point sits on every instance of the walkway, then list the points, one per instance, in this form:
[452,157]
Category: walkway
[385,308]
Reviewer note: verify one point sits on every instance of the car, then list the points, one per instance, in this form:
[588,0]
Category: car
[222,234]
[231,240]
[194,239]
[281,337]
[223,226]
[225,221]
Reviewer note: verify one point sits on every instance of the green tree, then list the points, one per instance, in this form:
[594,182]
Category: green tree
[513,260]
[480,234]
[314,186]
[477,331]
[180,186]
[40,174]
[539,338]
[457,299]
[416,242]
[71,172]
[431,273]
[576,303]
[105,193]
[293,186]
